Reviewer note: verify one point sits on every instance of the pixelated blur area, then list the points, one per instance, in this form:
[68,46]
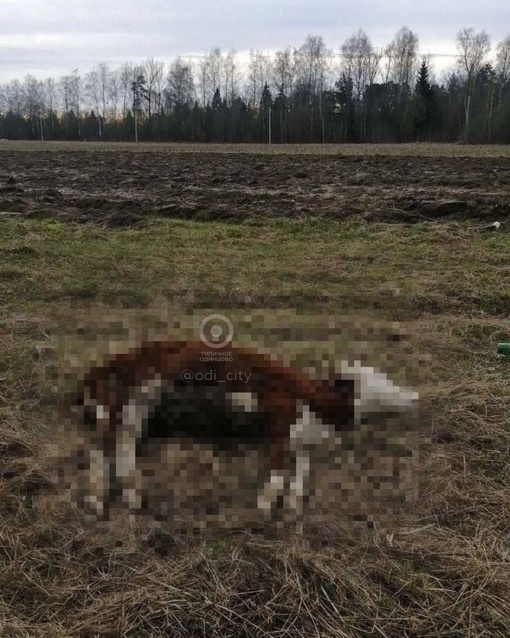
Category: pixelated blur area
[198,444]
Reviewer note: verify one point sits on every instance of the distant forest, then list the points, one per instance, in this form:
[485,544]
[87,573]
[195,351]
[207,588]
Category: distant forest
[298,95]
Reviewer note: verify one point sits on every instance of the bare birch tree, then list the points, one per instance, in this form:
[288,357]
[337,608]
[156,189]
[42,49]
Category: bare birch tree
[230,77]
[51,93]
[65,92]
[99,88]
[154,73]
[75,83]
[258,76]
[503,61]
[313,56]
[215,71]
[14,101]
[473,49]
[402,59]
[211,75]
[360,62]
[180,87]
[283,72]
[126,76]
[203,74]
[52,98]
[3,100]
[34,97]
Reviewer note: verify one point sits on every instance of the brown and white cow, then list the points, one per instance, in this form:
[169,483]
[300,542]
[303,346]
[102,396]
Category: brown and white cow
[118,398]
[169,389]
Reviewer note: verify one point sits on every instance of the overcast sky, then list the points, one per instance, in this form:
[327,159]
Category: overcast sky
[52,37]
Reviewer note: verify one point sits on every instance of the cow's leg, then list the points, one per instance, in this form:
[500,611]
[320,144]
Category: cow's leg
[299,444]
[272,490]
[275,487]
[134,417]
[298,487]
[126,470]
[96,460]
[99,467]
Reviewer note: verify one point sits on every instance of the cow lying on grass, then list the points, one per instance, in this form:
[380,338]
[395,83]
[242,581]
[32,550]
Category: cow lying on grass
[164,390]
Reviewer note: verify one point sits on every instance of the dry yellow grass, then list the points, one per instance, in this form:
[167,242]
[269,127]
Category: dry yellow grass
[439,561]
[423,149]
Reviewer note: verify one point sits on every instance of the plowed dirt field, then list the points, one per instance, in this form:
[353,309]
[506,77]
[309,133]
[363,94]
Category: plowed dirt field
[124,188]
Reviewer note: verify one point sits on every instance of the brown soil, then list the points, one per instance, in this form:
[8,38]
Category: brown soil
[122,189]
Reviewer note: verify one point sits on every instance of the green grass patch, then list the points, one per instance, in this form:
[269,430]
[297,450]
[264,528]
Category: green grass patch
[400,271]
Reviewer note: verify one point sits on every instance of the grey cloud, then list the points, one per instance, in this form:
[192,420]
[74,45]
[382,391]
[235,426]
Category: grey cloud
[88,31]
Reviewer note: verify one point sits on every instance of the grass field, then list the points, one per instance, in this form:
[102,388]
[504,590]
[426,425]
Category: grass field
[386,258]
[411,150]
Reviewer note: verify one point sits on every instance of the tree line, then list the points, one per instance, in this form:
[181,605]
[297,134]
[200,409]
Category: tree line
[298,95]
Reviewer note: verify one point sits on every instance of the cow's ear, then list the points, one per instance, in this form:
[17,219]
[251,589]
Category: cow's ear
[89,417]
[74,399]
[343,385]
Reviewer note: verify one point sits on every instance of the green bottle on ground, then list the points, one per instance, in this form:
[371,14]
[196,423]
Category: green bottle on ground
[504,348]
